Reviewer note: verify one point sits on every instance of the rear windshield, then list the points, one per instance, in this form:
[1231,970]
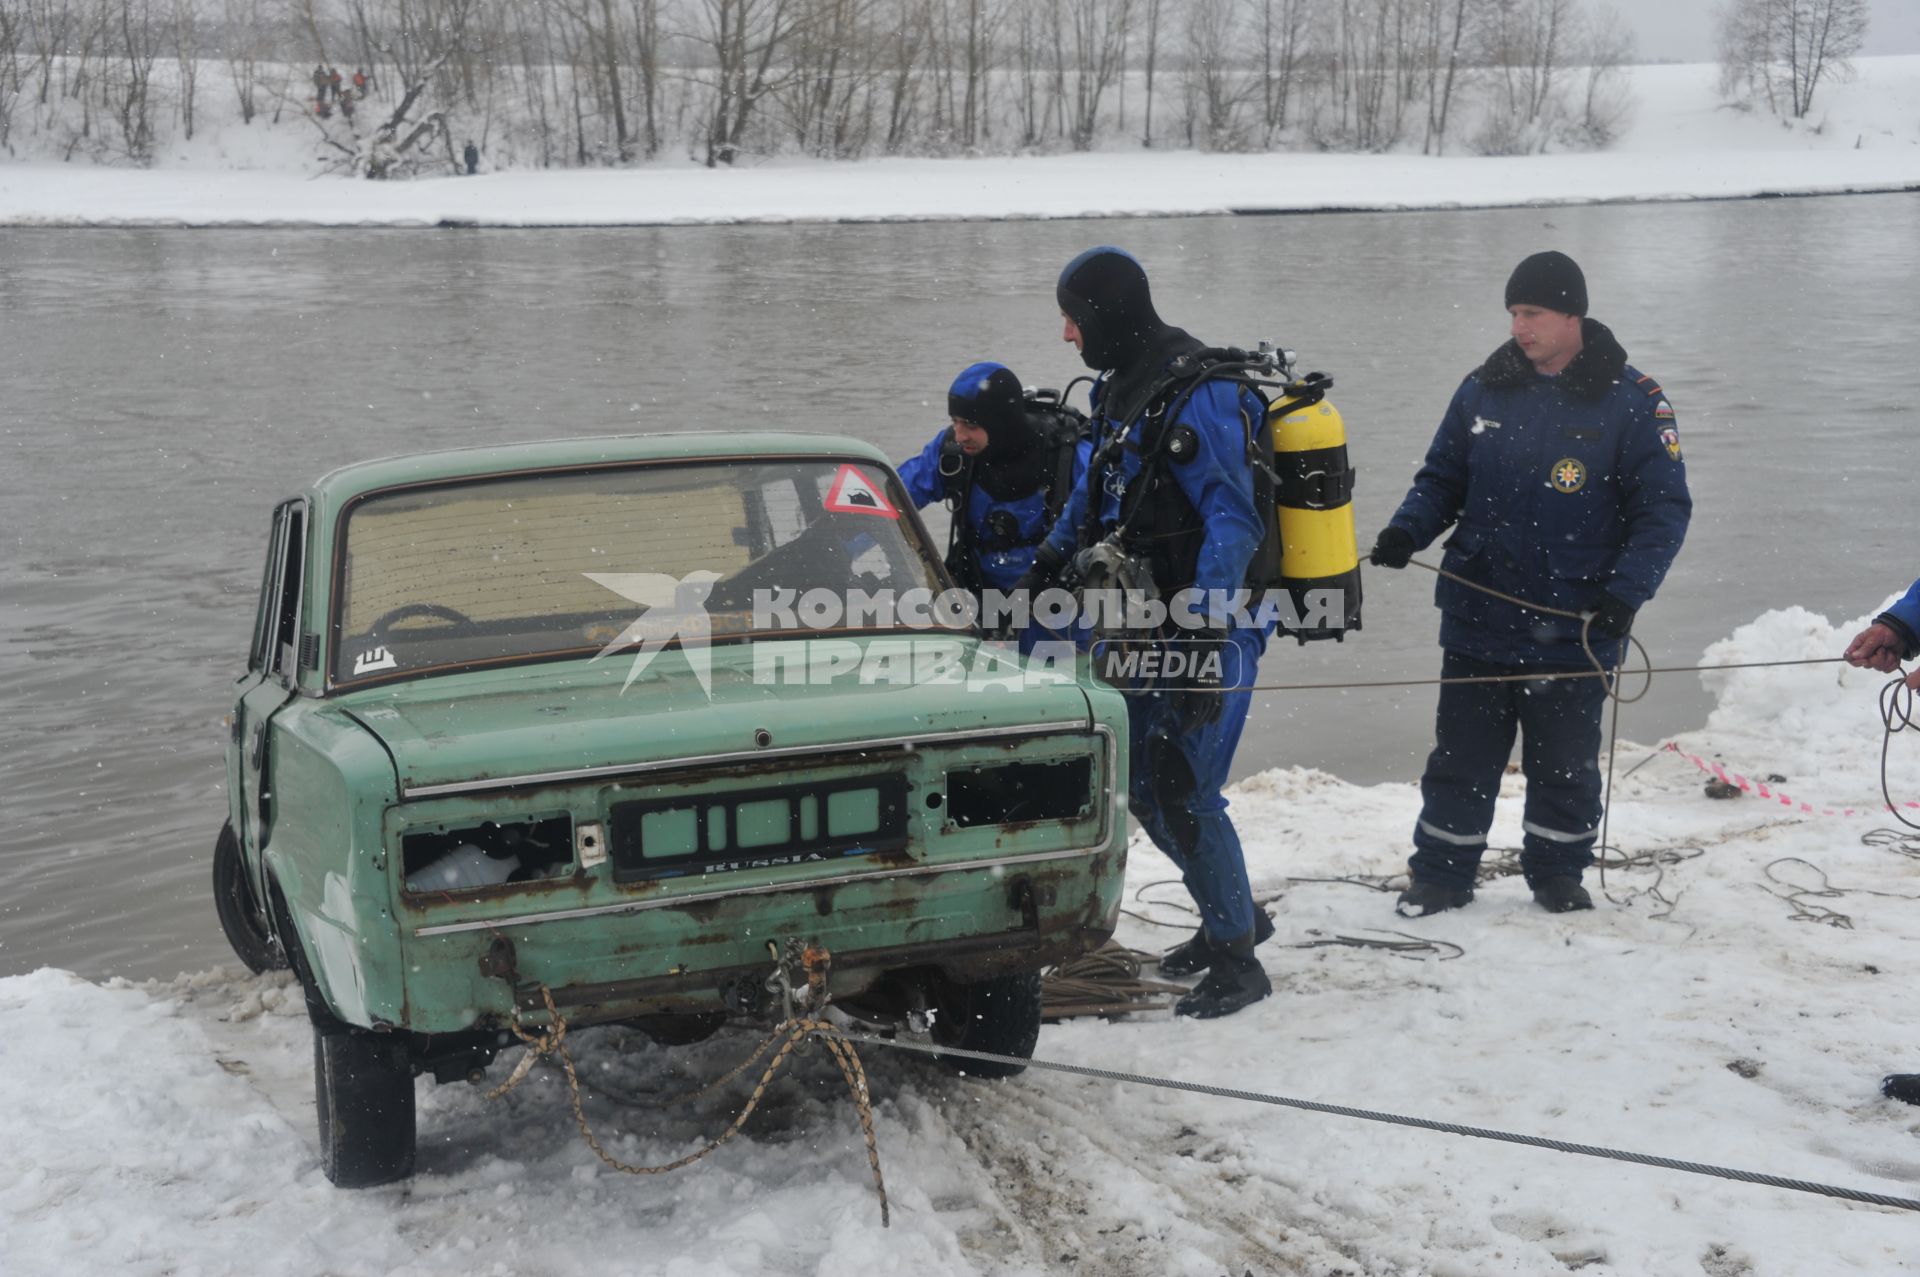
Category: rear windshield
[566,563]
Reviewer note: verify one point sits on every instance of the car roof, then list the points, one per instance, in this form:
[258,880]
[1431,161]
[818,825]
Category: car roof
[339,486]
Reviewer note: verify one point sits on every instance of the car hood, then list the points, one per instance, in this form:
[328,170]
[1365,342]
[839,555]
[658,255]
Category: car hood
[522,725]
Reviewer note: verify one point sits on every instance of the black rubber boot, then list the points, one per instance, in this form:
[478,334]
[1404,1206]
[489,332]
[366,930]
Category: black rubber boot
[1423,898]
[1561,895]
[1904,1087]
[1196,954]
[1234,980]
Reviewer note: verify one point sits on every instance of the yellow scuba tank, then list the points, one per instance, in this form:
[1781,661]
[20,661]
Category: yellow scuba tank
[1313,502]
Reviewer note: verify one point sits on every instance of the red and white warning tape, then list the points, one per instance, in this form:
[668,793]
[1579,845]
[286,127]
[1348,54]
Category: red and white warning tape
[1760,789]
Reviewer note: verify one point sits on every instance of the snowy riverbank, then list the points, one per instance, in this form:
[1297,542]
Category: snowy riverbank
[1682,144]
[167,1127]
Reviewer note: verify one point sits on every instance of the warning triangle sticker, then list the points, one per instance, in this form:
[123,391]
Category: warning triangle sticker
[853,493]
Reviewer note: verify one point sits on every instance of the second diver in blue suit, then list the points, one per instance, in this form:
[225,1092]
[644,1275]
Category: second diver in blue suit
[1006,467]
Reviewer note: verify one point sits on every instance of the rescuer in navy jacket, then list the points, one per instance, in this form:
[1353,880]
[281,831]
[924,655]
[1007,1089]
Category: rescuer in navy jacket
[1191,518]
[1558,467]
[1012,465]
[1893,637]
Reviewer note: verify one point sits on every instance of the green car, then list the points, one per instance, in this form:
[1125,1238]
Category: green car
[629,723]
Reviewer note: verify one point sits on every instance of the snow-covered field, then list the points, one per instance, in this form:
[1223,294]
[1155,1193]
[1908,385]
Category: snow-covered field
[1863,135]
[168,1127]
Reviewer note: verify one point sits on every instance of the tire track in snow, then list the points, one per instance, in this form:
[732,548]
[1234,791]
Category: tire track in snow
[1067,1160]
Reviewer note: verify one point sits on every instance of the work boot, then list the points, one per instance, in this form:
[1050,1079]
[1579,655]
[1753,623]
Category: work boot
[1561,895]
[1422,898]
[1904,1087]
[1196,954]
[1234,980]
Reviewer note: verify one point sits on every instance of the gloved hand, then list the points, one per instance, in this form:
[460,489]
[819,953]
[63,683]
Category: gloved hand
[1612,618]
[1393,548]
[1200,698]
[1047,562]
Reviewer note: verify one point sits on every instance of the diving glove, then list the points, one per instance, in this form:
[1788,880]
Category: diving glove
[1201,694]
[1047,562]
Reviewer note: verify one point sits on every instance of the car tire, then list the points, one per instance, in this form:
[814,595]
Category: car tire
[363,1090]
[244,925]
[1000,1015]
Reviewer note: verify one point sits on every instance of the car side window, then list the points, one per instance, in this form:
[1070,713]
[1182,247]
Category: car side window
[286,595]
[268,611]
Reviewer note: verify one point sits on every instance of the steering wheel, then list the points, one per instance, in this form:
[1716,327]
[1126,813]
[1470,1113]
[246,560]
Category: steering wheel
[407,611]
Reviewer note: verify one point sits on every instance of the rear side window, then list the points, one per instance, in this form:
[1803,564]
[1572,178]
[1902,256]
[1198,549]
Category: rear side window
[286,640]
[276,622]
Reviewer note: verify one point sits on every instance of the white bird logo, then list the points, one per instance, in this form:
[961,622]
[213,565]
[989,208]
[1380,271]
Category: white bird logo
[674,609]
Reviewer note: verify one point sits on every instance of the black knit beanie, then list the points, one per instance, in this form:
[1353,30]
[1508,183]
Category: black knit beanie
[1550,280]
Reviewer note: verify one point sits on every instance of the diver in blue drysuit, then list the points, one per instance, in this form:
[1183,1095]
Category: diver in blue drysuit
[1893,637]
[1190,514]
[1006,465]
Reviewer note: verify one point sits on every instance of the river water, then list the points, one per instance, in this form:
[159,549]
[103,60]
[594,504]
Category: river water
[164,388]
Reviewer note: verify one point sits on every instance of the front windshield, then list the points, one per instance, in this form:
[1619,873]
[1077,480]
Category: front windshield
[499,569]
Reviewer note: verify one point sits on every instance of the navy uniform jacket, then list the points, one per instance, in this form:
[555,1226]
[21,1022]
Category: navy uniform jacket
[1560,489]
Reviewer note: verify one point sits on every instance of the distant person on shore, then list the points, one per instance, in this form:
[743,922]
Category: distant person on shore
[1558,468]
[359,83]
[319,83]
[1893,637]
[472,156]
[333,81]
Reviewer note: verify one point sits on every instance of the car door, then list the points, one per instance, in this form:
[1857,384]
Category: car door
[269,682]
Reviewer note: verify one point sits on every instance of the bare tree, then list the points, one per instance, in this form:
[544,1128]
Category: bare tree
[244,45]
[12,33]
[1447,24]
[1218,86]
[1787,48]
[905,47]
[1098,31]
[745,39]
[186,50]
[1525,45]
[1283,50]
[647,41]
[1605,106]
[1027,69]
[418,40]
[1153,50]
[601,41]
[126,89]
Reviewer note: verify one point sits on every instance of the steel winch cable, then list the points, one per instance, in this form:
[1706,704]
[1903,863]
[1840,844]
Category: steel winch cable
[1396,1119]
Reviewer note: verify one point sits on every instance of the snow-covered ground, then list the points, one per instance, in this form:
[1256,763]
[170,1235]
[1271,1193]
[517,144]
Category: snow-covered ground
[168,1127]
[1864,135]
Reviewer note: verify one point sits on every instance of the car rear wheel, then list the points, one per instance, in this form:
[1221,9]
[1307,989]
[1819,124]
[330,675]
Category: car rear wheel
[245,928]
[363,1089]
[1000,1015]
